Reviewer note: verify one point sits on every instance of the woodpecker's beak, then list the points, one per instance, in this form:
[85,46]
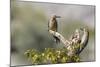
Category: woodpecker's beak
[58,16]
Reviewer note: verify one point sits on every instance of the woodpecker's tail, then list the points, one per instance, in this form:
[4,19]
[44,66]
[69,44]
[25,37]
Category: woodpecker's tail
[56,39]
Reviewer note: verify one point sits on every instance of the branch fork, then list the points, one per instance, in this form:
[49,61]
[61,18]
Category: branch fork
[68,43]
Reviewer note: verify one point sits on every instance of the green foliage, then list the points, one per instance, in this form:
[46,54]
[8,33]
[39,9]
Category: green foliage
[50,55]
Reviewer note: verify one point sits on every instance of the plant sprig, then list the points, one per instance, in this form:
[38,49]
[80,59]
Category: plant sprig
[50,55]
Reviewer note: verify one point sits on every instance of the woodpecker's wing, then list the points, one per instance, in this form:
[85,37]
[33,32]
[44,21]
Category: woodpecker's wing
[52,24]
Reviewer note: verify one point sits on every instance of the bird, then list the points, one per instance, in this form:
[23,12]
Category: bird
[84,39]
[53,25]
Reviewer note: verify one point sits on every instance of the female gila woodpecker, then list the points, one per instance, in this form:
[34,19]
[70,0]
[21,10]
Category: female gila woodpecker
[52,25]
